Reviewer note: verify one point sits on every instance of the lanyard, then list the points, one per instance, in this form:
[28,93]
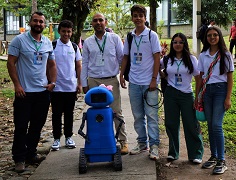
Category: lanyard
[138,43]
[178,64]
[35,44]
[103,44]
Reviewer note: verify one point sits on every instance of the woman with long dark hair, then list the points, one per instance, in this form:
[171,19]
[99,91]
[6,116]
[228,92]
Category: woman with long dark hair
[216,72]
[179,100]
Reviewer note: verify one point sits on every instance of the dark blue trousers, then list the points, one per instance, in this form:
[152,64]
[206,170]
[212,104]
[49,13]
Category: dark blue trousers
[30,114]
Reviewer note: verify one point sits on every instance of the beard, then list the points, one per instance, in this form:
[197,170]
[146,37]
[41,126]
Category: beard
[37,29]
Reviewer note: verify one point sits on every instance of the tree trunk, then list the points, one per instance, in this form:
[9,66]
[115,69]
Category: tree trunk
[77,12]
[34,6]
[153,16]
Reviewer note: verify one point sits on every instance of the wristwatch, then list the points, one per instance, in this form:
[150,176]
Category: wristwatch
[53,84]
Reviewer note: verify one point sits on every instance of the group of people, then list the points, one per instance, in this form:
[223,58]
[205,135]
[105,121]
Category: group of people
[44,74]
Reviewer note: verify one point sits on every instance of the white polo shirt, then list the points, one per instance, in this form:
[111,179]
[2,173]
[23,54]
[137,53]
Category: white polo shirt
[141,73]
[172,70]
[65,57]
[205,59]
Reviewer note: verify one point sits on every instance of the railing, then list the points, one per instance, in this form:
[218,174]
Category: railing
[4,47]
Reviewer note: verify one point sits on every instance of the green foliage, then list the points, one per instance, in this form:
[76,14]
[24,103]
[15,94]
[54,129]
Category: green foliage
[117,13]
[8,93]
[222,11]
[160,28]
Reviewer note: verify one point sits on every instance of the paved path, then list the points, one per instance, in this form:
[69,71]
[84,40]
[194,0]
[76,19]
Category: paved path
[63,164]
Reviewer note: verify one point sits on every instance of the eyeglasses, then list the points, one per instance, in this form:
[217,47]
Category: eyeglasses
[178,42]
[212,35]
[40,21]
[100,20]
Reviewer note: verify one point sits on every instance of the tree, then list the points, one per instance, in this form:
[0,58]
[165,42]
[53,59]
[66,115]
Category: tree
[77,11]
[34,6]
[222,11]
[117,13]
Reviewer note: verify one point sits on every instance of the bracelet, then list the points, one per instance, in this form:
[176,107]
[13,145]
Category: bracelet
[53,84]
[154,78]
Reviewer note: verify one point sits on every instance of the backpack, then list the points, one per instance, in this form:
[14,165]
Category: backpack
[199,32]
[129,39]
[163,80]
[54,44]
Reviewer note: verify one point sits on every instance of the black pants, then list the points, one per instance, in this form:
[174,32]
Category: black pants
[232,45]
[62,102]
[30,114]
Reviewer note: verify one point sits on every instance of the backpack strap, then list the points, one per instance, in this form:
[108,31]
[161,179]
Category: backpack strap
[54,44]
[74,46]
[150,35]
[165,61]
[130,39]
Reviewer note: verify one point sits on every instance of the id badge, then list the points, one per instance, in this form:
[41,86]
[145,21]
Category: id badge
[100,60]
[137,58]
[178,80]
[38,58]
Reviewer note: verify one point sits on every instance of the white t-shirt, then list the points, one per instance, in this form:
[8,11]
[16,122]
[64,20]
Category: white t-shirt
[141,71]
[178,67]
[65,57]
[205,59]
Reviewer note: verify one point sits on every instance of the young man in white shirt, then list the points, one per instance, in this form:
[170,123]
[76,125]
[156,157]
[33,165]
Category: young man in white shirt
[63,97]
[143,81]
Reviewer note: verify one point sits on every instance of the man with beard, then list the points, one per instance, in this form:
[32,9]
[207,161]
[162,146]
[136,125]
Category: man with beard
[29,55]
[101,59]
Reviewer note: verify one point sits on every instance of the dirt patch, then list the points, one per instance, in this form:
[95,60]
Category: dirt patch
[182,169]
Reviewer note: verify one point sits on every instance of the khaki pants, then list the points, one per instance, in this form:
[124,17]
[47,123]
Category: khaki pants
[116,105]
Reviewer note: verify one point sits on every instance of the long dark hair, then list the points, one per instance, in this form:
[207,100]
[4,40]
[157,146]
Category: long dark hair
[186,53]
[221,45]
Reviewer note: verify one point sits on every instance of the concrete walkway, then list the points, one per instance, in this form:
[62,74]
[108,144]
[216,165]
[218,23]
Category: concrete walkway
[63,164]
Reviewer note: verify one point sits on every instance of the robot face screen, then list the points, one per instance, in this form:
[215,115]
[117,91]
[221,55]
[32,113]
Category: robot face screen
[98,98]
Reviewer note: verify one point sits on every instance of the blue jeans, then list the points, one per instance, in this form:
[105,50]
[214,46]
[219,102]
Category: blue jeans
[146,128]
[214,98]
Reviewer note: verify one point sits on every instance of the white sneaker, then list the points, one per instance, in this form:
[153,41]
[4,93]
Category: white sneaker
[197,161]
[69,143]
[56,145]
[171,158]
[154,152]
[138,149]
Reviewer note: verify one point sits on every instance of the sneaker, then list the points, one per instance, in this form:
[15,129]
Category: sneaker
[210,163]
[138,149]
[36,159]
[220,167]
[56,145]
[70,143]
[124,148]
[197,161]
[20,167]
[170,158]
[154,152]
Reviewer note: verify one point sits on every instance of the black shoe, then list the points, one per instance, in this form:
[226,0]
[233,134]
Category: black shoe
[210,163]
[36,159]
[20,167]
[220,167]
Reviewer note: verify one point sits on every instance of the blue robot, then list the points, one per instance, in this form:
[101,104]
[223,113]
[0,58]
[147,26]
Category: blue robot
[100,141]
